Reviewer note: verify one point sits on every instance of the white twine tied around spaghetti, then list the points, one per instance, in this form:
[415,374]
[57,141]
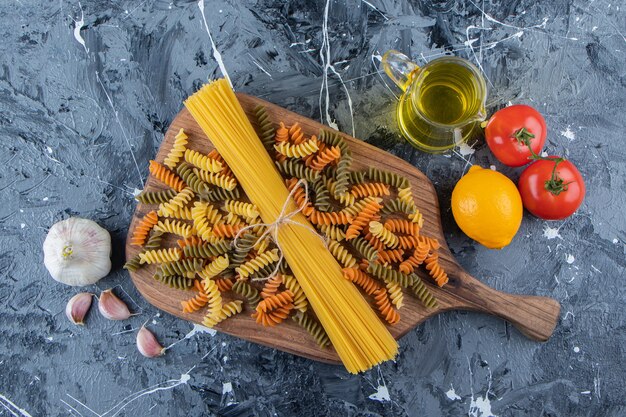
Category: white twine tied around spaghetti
[272,228]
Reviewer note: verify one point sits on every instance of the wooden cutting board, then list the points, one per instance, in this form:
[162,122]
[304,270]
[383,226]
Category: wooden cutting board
[536,317]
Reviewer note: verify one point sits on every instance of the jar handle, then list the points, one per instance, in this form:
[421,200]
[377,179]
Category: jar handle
[399,68]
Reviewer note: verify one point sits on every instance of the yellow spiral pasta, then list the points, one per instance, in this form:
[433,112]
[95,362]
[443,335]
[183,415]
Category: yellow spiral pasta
[233,219]
[200,221]
[219,179]
[416,217]
[174,227]
[342,254]
[214,297]
[178,202]
[214,268]
[256,263]
[395,294]
[177,151]
[183,213]
[241,208]
[297,151]
[159,256]
[385,235]
[333,232]
[406,195]
[300,302]
[228,310]
[203,162]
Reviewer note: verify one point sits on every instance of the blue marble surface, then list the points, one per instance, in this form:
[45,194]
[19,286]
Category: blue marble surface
[87,90]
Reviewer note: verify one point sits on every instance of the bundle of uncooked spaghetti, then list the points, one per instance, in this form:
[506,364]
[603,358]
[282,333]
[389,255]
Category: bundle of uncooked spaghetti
[357,334]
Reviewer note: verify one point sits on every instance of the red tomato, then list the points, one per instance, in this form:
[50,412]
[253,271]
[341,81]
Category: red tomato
[548,197]
[506,139]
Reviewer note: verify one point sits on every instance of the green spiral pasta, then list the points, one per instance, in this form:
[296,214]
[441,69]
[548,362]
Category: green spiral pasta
[294,168]
[242,249]
[322,195]
[313,328]
[343,175]
[217,194]
[207,250]
[175,281]
[397,205]
[357,177]
[265,127]
[390,178]
[387,274]
[423,293]
[183,267]
[186,172]
[364,248]
[247,291]
[155,197]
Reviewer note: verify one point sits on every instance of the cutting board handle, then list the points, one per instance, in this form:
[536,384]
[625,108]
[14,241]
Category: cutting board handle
[536,317]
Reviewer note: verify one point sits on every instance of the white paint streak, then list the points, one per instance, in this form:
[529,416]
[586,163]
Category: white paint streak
[216,53]
[465,149]
[78,25]
[569,258]
[381,394]
[326,64]
[117,118]
[551,233]
[568,133]
[479,406]
[259,66]
[374,8]
[452,395]
[227,387]
[197,328]
[12,408]
[576,349]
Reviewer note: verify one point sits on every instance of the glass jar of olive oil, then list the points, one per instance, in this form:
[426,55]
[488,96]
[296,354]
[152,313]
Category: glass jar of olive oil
[443,101]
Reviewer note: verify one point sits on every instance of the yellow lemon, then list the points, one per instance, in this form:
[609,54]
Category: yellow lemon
[487,207]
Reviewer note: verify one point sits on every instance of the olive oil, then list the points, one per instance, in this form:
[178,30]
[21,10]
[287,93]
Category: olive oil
[442,104]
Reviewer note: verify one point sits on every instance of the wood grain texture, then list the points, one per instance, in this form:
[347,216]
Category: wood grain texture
[536,317]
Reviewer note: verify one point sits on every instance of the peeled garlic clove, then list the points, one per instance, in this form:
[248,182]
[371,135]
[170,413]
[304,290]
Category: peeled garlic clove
[77,252]
[147,344]
[111,307]
[78,306]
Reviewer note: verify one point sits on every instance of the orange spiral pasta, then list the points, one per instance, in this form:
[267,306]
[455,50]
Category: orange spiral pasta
[142,230]
[271,286]
[295,134]
[431,242]
[224,284]
[197,302]
[363,280]
[371,208]
[282,133]
[323,158]
[189,241]
[390,256]
[275,301]
[329,218]
[407,242]
[385,308]
[370,189]
[225,230]
[402,226]
[166,176]
[416,259]
[435,270]
[274,317]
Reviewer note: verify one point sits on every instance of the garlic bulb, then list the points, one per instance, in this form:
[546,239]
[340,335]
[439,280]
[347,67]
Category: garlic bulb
[77,251]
